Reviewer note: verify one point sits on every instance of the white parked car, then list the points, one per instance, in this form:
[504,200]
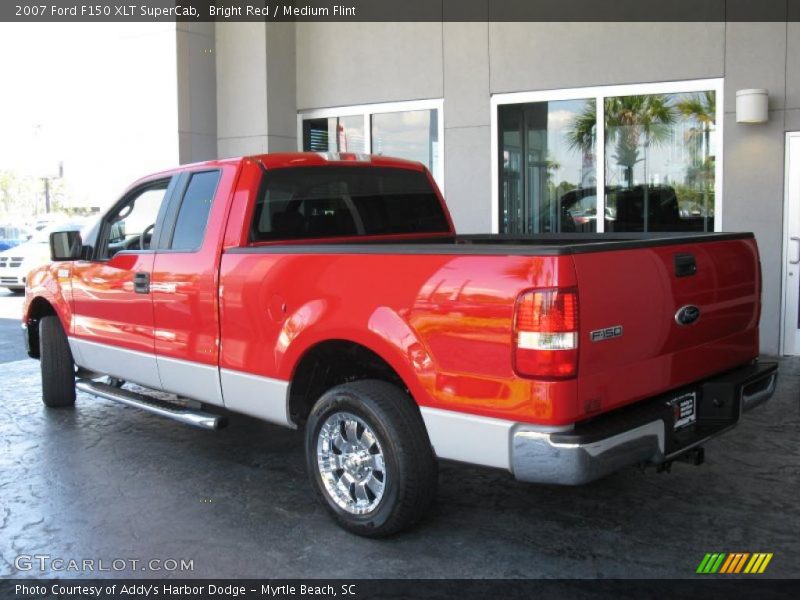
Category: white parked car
[17,262]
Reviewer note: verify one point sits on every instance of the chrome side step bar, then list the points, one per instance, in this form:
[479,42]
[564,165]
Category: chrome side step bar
[170,410]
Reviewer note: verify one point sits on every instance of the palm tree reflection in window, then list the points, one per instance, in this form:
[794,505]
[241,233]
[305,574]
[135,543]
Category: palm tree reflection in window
[701,109]
[633,126]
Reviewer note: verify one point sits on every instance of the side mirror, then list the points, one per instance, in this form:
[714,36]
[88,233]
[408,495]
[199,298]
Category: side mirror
[65,245]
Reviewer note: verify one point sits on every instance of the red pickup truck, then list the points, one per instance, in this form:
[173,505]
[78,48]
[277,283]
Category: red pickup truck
[331,292]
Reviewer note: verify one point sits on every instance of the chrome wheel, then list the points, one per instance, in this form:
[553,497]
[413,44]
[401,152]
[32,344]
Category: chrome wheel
[351,463]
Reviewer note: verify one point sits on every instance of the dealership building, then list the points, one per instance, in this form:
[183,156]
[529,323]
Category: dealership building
[532,127]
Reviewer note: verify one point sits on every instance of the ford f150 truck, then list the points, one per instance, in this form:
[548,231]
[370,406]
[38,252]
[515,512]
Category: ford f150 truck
[331,292]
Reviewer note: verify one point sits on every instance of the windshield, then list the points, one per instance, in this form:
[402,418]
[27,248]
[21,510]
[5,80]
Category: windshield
[10,233]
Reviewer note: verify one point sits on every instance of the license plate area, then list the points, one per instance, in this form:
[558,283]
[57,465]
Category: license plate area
[684,410]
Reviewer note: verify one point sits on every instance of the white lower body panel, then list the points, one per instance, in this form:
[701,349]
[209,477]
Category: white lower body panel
[257,396]
[254,395]
[192,380]
[474,439]
[469,438]
[130,365]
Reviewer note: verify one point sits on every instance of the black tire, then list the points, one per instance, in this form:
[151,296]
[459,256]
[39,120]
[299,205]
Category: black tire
[58,368]
[410,465]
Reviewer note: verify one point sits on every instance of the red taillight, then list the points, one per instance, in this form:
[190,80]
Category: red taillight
[546,333]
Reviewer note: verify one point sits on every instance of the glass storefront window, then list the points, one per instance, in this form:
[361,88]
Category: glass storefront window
[660,162]
[547,168]
[334,134]
[410,130]
[411,134]
[653,159]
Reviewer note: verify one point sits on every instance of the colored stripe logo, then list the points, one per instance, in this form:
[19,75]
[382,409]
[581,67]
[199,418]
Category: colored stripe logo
[734,563]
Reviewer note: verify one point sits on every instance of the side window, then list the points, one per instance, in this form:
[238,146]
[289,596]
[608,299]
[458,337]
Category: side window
[190,226]
[131,225]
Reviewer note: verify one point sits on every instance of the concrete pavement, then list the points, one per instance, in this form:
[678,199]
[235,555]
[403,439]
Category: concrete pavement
[102,481]
[11,346]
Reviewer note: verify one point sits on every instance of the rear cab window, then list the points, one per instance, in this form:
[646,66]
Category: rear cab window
[343,201]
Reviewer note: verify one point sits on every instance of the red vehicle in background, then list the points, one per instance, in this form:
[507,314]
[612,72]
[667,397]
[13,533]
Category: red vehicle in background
[331,292]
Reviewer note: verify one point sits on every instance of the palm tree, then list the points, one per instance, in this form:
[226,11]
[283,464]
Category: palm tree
[701,108]
[631,122]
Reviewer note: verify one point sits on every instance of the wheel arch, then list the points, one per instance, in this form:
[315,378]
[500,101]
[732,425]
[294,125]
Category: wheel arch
[333,362]
[39,307]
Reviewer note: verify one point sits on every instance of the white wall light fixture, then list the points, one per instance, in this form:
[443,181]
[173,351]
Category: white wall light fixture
[752,106]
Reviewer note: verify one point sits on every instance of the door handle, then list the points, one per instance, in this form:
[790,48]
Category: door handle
[685,265]
[797,261]
[141,283]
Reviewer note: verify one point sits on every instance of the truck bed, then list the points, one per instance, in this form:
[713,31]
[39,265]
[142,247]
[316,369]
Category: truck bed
[456,294]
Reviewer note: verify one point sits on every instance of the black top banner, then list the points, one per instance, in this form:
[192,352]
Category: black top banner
[398,10]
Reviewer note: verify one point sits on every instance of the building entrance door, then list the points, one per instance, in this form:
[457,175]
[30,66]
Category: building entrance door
[791,245]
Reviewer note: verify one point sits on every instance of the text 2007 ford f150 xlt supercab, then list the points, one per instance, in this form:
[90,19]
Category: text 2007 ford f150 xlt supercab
[332,292]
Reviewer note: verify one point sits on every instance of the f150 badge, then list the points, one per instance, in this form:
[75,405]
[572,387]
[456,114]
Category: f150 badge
[598,335]
[687,315]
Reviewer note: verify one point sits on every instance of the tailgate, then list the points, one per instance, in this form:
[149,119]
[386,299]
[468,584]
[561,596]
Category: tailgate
[632,345]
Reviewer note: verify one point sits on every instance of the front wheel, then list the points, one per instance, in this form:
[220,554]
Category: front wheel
[58,368]
[369,458]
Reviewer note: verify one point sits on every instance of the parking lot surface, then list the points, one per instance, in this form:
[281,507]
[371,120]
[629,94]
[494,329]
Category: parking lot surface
[103,481]
[11,347]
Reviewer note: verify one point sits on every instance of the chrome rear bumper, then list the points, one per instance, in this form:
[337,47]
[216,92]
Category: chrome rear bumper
[640,434]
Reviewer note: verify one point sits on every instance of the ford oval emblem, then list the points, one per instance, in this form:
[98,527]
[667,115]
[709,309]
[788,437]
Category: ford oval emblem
[687,315]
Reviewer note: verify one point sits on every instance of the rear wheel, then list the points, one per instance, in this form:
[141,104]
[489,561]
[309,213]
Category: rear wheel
[369,458]
[58,368]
